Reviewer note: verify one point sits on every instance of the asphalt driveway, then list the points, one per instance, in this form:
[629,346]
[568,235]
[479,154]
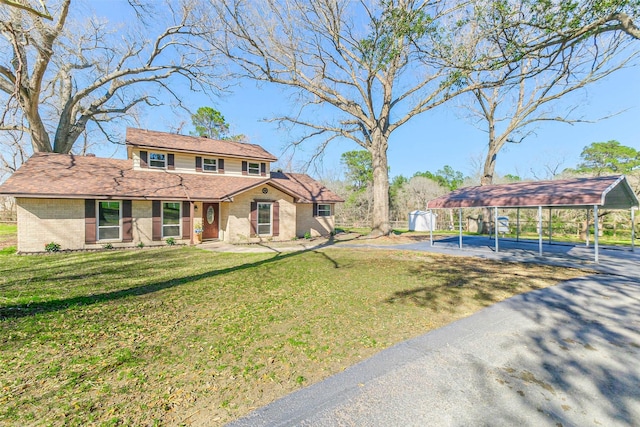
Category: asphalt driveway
[566,355]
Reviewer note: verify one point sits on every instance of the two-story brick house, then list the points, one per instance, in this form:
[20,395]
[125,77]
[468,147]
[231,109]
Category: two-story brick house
[168,187]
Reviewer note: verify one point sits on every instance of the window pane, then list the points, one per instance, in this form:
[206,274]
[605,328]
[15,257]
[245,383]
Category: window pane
[157,159]
[324,210]
[171,213]
[210,164]
[264,213]
[109,214]
[171,231]
[254,168]
[264,229]
[109,233]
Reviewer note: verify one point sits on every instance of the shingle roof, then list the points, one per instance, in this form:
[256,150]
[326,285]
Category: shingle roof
[192,144]
[51,175]
[306,188]
[611,192]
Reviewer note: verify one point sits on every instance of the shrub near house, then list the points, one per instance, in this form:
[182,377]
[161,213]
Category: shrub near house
[167,187]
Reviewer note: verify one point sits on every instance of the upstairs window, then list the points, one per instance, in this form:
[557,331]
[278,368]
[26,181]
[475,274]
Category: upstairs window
[158,160]
[210,165]
[254,168]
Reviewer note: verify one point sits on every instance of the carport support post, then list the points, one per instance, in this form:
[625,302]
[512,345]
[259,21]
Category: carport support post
[460,227]
[517,224]
[495,225]
[431,227]
[587,232]
[540,230]
[550,225]
[595,232]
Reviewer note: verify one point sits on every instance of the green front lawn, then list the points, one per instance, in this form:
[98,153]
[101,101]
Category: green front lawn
[172,335]
[8,234]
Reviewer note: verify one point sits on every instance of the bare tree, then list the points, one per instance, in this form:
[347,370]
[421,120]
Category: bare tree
[40,11]
[509,112]
[58,78]
[418,191]
[377,65]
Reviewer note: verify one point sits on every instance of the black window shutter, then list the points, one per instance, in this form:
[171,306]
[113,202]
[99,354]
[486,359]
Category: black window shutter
[127,222]
[90,221]
[143,159]
[244,168]
[198,164]
[220,165]
[156,213]
[263,169]
[171,161]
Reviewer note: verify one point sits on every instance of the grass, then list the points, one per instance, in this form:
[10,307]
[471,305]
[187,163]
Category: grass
[175,335]
[8,238]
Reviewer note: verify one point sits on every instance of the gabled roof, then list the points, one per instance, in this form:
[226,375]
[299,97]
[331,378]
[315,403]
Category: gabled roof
[48,175]
[610,192]
[191,144]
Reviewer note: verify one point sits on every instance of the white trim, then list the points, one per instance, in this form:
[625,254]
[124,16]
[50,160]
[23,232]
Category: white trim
[179,236]
[249,168]
[98,227]
[149,160]
[323,204]
[215,166]
[270,223]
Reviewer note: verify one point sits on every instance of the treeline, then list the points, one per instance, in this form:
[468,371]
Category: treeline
[407,194]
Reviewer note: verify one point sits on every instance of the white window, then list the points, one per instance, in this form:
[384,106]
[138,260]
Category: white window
[264,219]
[109,220]
[171,219]
[209,165]
[157,160]
[324,210]
[254,168]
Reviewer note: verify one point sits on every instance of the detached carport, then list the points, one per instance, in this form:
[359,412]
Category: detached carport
[604,192]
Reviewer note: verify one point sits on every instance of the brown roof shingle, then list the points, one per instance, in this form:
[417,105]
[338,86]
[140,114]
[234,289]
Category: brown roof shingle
[306,188]
[49,175]
[192,144]
[611,192]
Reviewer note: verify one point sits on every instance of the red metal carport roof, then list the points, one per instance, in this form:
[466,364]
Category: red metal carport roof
[609,192]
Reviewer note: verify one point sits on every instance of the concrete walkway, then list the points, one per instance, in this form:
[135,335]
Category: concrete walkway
[565,355]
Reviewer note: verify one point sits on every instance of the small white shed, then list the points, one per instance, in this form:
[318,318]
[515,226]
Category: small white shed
[422,221]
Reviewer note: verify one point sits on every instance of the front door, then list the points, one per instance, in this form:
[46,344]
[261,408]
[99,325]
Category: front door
[210,220]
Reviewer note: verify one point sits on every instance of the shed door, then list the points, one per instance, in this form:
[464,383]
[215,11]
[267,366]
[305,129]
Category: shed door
[210,216]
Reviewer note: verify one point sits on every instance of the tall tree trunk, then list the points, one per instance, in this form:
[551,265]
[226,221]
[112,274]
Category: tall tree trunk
[39,136]
[489,167]
[380,222]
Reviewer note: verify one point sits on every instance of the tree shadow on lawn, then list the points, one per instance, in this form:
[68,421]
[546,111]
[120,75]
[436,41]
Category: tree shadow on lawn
[30,309]
[446,283]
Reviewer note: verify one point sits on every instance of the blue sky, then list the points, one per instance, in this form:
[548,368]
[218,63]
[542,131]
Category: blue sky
[438,137]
